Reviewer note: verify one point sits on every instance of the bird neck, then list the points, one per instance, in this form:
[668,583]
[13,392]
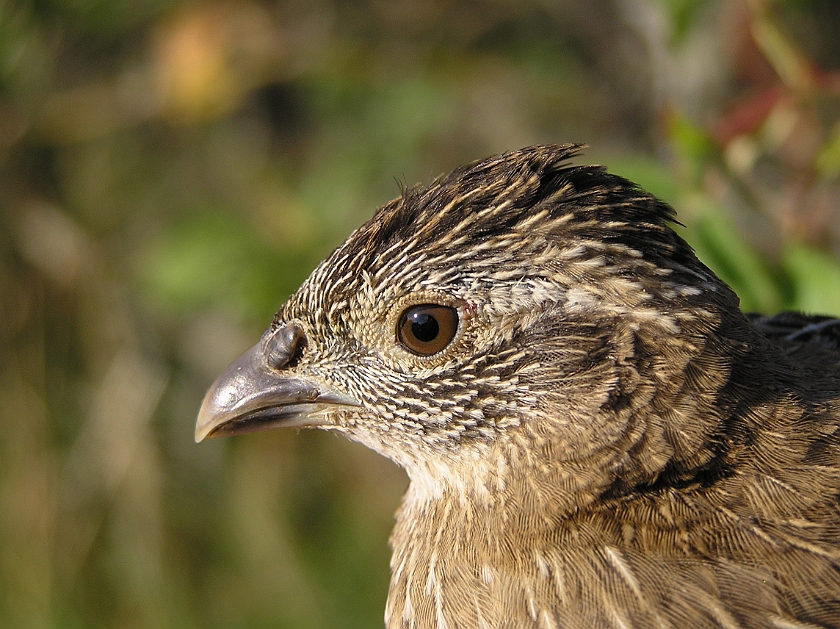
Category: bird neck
[457,554]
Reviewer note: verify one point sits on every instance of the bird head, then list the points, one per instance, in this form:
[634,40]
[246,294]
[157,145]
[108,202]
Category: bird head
[520,313]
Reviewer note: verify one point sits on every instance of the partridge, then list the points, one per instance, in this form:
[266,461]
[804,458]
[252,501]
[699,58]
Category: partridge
[595,434]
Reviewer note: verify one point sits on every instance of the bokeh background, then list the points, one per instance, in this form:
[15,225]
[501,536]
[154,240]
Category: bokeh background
[170,170]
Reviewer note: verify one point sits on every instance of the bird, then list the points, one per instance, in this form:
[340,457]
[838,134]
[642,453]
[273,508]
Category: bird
[595,434]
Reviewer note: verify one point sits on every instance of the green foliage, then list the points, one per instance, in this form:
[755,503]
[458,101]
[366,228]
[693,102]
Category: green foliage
[815,279]
[828,160]
[213,259]
[682,14]
[718,243]
[171,170]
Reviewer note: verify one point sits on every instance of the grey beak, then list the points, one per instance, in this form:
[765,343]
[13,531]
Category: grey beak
[256,392]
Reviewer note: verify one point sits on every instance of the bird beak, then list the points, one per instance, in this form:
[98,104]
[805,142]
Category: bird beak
[251,396]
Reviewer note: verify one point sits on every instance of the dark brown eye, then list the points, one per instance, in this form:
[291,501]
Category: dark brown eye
[426,329]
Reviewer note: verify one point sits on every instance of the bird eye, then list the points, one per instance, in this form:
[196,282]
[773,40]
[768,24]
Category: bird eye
[426,329]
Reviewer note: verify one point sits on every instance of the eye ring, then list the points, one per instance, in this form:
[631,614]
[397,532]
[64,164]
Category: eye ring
[426,329]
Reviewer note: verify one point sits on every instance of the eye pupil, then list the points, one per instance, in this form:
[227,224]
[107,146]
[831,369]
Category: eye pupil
[424,327]
[427,329]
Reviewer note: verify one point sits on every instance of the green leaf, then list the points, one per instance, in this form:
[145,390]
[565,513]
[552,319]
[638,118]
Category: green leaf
[216,259]
[681,14]
[828,159]
[815,279]
[719,245]
[689,139]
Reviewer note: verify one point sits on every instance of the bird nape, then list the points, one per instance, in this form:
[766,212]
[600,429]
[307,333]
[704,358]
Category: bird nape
[595,435]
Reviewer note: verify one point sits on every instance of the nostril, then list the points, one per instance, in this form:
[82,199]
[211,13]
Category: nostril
[284,347]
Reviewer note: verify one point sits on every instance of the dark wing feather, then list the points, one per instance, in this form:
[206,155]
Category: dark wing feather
[795,331]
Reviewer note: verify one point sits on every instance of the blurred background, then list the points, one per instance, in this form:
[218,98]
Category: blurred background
[170,170]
